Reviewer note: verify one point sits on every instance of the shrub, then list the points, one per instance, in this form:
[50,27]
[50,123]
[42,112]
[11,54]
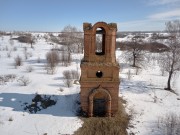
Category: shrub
[1,80]
[75,74]
[10,118]
[67,78]
[29,69]
[50,70]
[65,58]
[18,61]
[9,54]
[61,89]
[14,48]
[52,58]
[9,77]
[6,78]
[25,55]
[169,124]
[24,81]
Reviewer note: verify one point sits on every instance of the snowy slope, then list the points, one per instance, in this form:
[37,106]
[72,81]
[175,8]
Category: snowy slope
[139,92]
[58,119]
[147,100]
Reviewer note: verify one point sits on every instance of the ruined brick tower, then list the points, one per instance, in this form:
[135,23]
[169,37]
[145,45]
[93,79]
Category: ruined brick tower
[99,70]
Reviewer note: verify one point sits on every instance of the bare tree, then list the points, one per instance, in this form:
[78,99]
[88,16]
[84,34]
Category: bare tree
[65,58]
[52,58]
[135,52]
[170,60]
[75,74]
[31,39]
[79,42]
[169,124]
[72,37]
[18,61]
[27,38]
[67,78]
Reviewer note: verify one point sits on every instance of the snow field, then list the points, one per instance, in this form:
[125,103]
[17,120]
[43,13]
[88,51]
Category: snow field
[144,93]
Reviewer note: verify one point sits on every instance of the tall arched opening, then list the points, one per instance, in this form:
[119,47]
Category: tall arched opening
[100,41]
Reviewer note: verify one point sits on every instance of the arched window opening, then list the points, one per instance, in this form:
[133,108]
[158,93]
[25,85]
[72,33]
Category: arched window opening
[100,41]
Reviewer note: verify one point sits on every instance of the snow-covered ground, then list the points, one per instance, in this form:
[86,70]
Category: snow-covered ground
[147,101]
[57,119]
[139,91]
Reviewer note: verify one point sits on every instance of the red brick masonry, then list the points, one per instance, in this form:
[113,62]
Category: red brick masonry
[99,72]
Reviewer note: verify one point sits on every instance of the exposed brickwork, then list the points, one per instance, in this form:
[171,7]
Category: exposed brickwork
[107,86]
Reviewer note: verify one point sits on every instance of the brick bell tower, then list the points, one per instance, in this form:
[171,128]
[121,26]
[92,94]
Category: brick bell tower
[99,70]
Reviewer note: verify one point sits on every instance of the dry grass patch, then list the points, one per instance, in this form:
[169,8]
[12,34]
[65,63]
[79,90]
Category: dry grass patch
[106,126]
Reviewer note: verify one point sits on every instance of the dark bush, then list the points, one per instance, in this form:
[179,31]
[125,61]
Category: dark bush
[27,38]
[151,47]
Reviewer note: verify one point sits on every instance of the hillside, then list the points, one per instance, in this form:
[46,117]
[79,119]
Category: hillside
[146,100]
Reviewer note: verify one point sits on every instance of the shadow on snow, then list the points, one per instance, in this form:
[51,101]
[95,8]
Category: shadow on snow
[65,106]
[137,87]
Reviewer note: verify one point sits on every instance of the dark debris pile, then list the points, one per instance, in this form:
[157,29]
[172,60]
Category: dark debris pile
[39,102]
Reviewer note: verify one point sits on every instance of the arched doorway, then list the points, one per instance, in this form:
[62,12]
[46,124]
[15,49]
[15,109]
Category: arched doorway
[99,103]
